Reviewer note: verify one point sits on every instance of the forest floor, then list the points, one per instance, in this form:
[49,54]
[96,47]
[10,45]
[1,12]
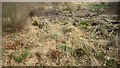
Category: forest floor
[64,34]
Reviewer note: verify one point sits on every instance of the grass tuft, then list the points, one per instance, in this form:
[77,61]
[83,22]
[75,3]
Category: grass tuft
[85,23]
[65,48]
[21,57]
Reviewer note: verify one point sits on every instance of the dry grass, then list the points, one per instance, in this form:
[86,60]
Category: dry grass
[57,36]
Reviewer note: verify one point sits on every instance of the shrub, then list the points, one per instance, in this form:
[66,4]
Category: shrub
[13,17]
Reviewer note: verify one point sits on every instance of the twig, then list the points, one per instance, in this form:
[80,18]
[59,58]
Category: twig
[111,32]
[94,31]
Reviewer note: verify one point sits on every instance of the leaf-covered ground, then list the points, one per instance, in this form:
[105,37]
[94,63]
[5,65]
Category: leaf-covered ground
[63,34]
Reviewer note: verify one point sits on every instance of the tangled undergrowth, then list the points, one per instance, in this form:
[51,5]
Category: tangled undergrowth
[78,35]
